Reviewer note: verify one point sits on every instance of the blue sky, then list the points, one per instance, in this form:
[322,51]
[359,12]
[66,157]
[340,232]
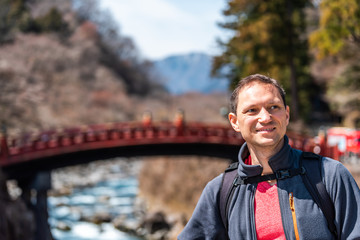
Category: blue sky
[164,27]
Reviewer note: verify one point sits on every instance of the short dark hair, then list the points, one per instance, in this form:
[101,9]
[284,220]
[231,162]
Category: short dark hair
[249,79]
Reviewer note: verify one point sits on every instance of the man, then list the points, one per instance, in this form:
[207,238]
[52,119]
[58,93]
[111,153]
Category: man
[275,209]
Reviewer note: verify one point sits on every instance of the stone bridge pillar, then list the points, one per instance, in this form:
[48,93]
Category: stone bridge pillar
[41,183]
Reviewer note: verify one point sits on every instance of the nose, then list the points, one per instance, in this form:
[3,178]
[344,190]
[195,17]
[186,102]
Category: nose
[264,116]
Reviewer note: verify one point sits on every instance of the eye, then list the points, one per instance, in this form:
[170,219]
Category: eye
[251,110]
[275,107]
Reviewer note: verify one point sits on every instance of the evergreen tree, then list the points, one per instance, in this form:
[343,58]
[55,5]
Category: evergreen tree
[10,13]
[269,39]
[15,15]
[344,95]
[51,22]
[339,24]
[338,37]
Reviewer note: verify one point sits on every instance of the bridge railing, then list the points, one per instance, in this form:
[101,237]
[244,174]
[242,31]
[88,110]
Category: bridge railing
[47,143]
[44,144]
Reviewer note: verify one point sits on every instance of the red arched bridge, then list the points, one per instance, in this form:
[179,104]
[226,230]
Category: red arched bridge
[24,155]
[53,149]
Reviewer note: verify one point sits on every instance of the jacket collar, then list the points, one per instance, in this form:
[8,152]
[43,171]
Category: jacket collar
[280,160]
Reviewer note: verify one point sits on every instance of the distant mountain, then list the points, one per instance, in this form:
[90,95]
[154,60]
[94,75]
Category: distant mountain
[189,73]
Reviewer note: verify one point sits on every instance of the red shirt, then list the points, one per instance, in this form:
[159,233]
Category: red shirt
[268,221]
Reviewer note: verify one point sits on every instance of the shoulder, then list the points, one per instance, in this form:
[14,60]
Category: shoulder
[211,192]
[336,175]
[331,170]
[205,222]
[333,167]
[214,185]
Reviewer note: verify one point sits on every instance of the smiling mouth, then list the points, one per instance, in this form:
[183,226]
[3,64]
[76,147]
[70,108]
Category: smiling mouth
[269,129]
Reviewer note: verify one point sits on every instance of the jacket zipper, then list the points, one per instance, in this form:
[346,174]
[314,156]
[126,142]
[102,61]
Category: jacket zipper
[252,215]
[293,213]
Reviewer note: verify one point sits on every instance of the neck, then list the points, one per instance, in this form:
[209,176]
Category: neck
[261,156]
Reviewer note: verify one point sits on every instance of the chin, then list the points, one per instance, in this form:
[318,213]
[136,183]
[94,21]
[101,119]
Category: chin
[269,141]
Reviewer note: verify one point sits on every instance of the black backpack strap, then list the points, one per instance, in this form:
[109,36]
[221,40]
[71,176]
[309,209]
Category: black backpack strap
[278,175]
[226,191]
[313,182]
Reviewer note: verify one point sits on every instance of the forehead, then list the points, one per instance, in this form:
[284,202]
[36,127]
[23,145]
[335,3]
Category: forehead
[257,91]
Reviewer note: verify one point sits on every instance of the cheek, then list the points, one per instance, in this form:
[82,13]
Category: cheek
[282,118]
[246,124]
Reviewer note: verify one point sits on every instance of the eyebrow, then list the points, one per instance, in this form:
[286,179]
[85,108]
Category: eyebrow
[269,103]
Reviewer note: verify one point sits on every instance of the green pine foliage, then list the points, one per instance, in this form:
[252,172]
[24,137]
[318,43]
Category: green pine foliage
[16,16]
[338,37]
[344,91]
[10,12]
[339,23]
[269,39]
[51,22]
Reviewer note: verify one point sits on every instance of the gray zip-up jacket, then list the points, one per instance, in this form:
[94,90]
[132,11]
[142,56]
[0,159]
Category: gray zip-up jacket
[310,222]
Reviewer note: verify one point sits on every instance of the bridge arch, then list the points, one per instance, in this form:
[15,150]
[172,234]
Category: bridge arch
[50,150]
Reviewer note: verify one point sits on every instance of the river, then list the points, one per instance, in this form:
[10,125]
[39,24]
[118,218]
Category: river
[112,196]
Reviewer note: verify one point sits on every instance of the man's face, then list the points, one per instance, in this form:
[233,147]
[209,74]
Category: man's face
[261,116]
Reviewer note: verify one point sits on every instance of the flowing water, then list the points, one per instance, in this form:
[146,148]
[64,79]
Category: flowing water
[111,198]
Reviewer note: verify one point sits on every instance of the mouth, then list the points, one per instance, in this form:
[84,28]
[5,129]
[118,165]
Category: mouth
[265,129]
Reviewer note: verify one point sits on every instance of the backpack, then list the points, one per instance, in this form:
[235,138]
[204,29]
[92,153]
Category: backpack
[310,171]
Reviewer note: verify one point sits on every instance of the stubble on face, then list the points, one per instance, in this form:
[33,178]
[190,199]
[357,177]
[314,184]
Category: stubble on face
[261,116]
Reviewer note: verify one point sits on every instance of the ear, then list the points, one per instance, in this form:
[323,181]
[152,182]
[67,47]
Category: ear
[287,114]
[234,122]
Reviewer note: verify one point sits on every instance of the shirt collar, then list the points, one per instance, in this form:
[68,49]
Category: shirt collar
[277,162]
